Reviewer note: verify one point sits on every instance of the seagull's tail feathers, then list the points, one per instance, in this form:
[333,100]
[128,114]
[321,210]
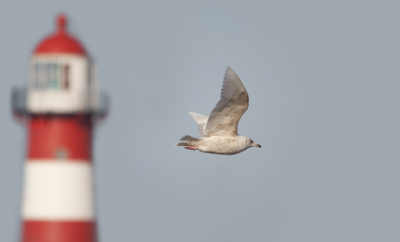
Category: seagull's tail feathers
[190,141]
[189,138]
[201,120]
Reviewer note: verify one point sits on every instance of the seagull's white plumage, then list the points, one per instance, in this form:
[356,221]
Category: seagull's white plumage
[219,131]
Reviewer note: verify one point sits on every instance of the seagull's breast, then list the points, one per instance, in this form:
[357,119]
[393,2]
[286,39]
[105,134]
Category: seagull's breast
[227,145]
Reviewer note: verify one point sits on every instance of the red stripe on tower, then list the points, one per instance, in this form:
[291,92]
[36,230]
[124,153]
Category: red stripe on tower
[60,106]
[60,231]
[56,136]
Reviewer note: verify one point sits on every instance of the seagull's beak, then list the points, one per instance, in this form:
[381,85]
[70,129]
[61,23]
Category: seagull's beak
[256,145]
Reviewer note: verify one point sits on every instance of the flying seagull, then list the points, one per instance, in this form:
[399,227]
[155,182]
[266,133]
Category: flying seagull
[219,130]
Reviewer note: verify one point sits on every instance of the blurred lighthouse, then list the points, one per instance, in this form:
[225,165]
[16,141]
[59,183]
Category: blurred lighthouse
[59,107]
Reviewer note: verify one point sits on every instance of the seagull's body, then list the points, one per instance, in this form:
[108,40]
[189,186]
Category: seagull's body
[219,131]
[220,145]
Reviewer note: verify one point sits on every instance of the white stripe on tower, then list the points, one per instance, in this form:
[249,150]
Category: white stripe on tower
[58,190]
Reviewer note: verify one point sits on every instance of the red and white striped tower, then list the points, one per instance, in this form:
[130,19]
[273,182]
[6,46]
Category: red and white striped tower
[59,107]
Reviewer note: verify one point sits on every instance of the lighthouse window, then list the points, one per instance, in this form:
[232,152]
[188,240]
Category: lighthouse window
[65,77]
[50,76]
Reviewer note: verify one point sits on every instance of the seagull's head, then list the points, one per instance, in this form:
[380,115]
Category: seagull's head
[253,144]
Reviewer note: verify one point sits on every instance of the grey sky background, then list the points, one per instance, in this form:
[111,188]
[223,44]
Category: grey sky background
[323,79]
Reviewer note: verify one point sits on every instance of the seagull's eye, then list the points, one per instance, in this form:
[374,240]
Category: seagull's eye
[251,141]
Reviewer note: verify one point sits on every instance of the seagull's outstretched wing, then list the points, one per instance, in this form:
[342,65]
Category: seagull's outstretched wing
[234,102]
[201,120]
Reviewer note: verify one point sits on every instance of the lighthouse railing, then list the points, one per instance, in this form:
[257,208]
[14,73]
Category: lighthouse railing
[104,104]
[19,104]
[18,101]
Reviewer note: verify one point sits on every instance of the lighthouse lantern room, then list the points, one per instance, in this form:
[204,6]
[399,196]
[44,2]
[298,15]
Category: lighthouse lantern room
[59,107]
[61,76]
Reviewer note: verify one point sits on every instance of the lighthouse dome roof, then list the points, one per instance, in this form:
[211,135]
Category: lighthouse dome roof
[60,42]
